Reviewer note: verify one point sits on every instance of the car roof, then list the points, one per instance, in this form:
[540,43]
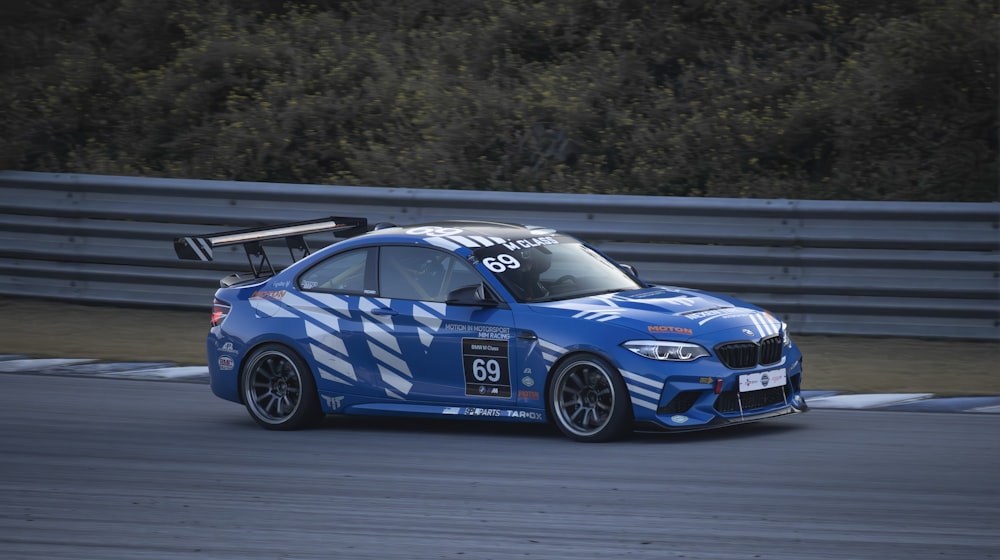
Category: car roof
[468,227]
[457,235]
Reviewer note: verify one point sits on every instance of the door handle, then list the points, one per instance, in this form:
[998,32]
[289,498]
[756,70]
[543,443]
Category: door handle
[384,311]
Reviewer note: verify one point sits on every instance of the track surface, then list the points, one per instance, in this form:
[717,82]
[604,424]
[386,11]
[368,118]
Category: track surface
[124,469]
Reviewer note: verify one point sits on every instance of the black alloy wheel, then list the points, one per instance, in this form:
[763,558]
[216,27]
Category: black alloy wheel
[589,401]
[279,390]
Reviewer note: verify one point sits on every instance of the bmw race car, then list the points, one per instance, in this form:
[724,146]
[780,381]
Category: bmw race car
[484,320]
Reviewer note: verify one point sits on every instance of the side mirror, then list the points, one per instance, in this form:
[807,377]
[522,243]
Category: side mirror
[470,295]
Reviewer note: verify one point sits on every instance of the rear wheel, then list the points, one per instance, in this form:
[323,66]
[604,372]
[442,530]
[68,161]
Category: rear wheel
[279,390]
[589,401]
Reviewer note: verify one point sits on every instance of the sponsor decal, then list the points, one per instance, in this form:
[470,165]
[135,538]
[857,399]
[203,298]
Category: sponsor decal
[487,367]
[481,331]
[679,418]
[706,380]
[527,381]
[668,297]
[268,294]
[748,332]
[766,324]
[476,411]
[529,395]
[763,380]
[451,410]
[501,412]
[282,284]
[333,402]
[520,244]
[227,347]
[706,316]
[226,363]
[669,329]
[526,414]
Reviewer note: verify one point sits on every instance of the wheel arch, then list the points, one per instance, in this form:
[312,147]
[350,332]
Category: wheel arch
[283,392]
[578,352]
[572,354]
[252,348]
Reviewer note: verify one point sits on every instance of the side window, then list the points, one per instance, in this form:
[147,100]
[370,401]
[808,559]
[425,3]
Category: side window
[459,275]
[423,274]
[345,272]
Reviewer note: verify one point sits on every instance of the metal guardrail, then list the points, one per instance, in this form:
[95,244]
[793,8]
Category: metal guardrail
[828,267]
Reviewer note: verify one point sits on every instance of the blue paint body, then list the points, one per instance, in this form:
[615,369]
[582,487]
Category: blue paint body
[376,354]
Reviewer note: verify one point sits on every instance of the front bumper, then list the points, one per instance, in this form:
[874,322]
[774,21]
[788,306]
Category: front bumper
[683,423]
[713,398]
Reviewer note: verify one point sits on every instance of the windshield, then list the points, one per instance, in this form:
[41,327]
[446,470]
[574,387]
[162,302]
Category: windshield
[553,268]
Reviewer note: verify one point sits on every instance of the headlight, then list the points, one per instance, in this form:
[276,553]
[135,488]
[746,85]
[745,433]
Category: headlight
[787,340]
[666,350]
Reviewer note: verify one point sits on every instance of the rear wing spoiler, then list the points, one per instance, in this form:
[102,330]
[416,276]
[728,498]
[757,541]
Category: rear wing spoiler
[201,248]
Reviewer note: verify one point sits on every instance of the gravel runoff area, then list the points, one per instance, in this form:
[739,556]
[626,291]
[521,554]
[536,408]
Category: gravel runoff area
[52,329]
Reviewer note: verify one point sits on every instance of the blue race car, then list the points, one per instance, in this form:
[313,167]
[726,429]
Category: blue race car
[484,320]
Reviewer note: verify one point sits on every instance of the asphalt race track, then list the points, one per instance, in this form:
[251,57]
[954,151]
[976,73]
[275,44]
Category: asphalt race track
[97,468]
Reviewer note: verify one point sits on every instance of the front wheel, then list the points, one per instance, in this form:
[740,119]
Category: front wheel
[279,390]
[589,401]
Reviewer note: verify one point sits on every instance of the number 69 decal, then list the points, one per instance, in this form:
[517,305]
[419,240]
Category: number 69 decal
[484,370]
[501,263]
[434,231]
[487,367]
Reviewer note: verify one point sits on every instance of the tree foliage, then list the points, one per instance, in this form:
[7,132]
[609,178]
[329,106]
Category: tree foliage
[823,99]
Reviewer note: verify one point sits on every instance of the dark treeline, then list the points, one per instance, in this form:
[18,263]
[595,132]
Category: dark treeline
[819,99]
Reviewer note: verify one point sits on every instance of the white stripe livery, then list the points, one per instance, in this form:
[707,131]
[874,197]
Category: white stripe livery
[640,393]
[766,324]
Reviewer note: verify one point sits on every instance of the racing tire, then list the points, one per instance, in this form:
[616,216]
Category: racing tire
[588,400]
[279,390]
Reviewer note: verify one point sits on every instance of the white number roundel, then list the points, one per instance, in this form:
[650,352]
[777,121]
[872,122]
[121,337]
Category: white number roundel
[486,369]
[434,231]
[501,263]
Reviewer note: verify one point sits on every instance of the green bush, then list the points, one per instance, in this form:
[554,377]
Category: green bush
[741,98]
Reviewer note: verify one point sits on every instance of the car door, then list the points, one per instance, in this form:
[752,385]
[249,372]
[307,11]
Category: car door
[430,351]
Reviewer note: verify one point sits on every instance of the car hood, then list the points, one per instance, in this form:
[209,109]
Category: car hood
[664,312]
